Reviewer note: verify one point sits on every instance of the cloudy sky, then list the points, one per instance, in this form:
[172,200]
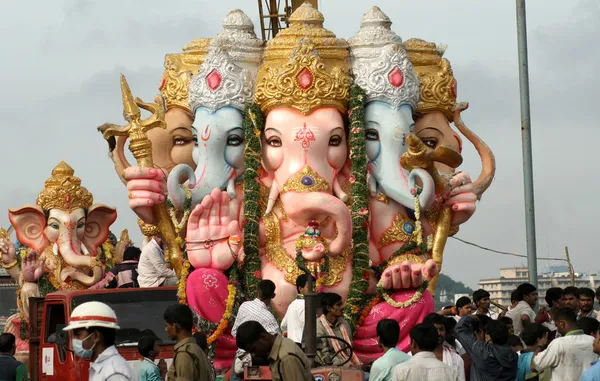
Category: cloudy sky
[62,59]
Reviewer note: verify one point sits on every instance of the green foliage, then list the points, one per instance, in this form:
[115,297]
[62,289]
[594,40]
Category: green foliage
[451,288]
[357,297]
[254,123]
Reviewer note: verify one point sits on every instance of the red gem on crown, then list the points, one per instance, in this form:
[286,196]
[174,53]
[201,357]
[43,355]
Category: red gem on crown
[305,79]
[213,80]
[395,77]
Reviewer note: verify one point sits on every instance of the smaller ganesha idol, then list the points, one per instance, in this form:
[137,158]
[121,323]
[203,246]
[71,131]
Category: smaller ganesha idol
[402,188]
[65,238]
[218,95]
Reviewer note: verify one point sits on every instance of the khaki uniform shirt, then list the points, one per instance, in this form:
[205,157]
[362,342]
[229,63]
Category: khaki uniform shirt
[189,362]
[288,362]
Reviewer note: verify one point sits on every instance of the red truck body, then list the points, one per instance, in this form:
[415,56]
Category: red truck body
[139,312]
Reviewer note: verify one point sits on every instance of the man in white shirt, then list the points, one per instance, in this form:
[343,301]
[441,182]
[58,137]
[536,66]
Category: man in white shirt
[152,270]
[481,298]
[424,365]
[523,313]
[569,355]
[444,351]
[293,321]
[254,310]
[94,326]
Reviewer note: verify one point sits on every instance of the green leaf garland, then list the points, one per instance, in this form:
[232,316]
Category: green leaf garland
[357,294]
[254,122]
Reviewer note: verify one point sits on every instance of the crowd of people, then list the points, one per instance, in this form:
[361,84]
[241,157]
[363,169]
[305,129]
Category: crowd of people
[466,341]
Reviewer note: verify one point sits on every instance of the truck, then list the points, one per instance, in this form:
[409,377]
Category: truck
[139,313]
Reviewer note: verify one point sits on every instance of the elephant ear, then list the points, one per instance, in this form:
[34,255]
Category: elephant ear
[30,222]
[97,225]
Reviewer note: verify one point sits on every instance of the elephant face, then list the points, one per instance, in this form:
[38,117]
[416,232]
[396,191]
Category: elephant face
[218,155]
[219,151]
[386,132]
[74,235]
[303,154]
[433,128]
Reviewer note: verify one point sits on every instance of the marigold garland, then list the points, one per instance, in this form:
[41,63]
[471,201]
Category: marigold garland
[357,293]
[224,323]
[363,316]
[254,122]
[417,295]
[187,205]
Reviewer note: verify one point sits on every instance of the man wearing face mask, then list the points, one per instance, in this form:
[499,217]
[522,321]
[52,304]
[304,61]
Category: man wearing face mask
[94,326]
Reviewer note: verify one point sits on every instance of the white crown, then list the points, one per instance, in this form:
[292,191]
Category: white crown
[220,83]
[226,78]
[380,64]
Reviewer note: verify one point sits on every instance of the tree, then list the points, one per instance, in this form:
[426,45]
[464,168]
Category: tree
[446,289]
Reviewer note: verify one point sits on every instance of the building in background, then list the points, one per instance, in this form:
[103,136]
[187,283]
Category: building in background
[8,297]
[551,276]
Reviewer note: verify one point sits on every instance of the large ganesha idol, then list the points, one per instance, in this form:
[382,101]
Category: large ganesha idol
[219,94]
[406,192]
[64,237]
[296,167]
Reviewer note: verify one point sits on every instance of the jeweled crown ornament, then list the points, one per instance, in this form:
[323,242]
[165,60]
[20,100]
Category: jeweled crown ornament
[438,85]
[304,67]
[311,237]
[64,191]
[380,63]
[226,78]
[239,40]
[179,69]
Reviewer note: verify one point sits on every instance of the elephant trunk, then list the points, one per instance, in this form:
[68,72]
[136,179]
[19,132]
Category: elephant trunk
[176,193]
[488,162]
[393,181]
[72,252]
[305,207]
[88,280]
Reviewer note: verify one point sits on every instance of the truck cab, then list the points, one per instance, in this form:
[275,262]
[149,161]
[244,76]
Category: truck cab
[139,312]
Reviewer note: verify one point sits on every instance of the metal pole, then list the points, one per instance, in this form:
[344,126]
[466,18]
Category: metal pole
[310,318]
[526,142]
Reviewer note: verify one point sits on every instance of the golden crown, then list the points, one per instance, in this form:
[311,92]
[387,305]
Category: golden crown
[438,86]
[179,69]
[304,67]
[64,191]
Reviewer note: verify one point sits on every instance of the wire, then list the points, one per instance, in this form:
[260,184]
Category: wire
[505,252]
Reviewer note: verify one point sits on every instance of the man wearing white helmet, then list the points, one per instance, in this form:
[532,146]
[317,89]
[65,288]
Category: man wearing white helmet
[94,326]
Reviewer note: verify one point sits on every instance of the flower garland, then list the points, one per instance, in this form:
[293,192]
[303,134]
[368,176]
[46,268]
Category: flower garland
[363,316]
[187,205]
[254,122]
[417,295]
[418,232]
[185,272]
[224,323]
[357,293]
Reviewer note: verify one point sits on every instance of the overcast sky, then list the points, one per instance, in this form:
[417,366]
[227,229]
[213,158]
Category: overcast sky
[60,75]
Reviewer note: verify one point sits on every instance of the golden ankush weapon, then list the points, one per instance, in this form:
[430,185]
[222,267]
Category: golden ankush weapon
[141,148]
[419,157]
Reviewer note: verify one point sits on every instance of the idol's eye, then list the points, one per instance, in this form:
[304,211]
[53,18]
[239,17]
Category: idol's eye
[53,225]
[430,142]
[372,134]
[274,141]
[80,224]
[335,140]
[234,140]
[181,141]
